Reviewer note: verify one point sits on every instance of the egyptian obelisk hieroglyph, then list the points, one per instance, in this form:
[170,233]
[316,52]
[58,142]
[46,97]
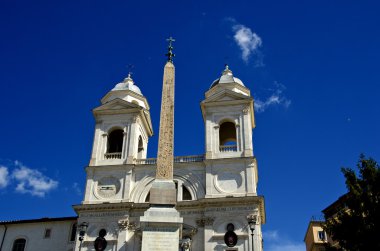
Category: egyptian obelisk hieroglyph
[161,223]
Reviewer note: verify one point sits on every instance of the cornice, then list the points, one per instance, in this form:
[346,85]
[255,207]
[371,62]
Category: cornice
[223,86]
[200,204]
[118,111]
[225,201]
[229,160]
[110,207]
[128,92]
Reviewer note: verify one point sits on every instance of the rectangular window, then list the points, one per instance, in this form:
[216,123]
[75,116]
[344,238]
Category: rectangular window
[321,235]
[47,233]
[73,232]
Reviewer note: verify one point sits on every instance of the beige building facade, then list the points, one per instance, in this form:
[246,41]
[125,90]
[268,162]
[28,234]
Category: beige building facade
[315,237]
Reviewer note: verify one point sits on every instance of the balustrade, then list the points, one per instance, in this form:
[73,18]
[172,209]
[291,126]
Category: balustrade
[228,148]
[178,159]
[112,155]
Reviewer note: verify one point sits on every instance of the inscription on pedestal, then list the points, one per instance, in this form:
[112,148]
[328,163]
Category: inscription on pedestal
[160,239]
[162,196]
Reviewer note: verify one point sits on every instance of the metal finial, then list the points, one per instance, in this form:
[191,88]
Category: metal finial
[170,53]
[227,70]
[130,67]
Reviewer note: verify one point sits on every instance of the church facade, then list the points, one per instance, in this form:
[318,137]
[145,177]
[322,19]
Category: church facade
[216,192]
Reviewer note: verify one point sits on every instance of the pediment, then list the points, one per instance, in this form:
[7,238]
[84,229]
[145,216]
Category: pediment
[116,104]
[226,95]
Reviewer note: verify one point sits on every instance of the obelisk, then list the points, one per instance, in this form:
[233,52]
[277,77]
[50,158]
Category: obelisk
[163,189]
[161,223]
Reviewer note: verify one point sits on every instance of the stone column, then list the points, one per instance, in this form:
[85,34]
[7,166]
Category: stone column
[206,223]
[247,133]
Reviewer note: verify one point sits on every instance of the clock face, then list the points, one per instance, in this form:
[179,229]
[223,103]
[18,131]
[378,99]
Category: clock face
[108,187]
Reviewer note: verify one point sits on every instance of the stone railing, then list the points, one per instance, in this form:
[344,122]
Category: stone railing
[231,148]
[178,159]
[112,155]
[191,158]
[150,161]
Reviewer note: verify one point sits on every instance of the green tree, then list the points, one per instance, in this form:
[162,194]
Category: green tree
[355,223]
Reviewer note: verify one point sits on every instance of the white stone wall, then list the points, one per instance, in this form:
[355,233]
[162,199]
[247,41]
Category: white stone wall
[34,235]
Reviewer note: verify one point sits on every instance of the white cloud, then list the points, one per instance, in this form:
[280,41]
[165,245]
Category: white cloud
[299,246]
[4,176]
[32,181]
[276,98]
[273,241]
[270,235]
[248,42]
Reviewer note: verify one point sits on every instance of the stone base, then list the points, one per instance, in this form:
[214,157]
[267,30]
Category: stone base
[163,192]
[161,229]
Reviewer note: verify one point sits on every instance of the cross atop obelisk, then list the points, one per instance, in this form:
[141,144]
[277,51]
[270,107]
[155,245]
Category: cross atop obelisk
[163,189]
[170,54]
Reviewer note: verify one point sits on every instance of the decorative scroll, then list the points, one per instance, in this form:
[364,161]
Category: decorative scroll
[123,224]
[132,226]
[246,110]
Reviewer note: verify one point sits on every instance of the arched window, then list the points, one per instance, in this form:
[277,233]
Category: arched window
[227,137]
[186,195]
[147,198]
[115,144]
[19,245]
[140,148]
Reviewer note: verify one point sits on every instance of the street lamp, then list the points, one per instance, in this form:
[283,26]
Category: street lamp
[82,231]
[252,220]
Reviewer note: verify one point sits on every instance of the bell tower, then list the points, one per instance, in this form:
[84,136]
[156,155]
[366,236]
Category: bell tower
[123,126]
[229,118]
[122,130]
[230,165]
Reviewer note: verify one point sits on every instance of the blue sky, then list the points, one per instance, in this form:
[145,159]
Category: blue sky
[312,67]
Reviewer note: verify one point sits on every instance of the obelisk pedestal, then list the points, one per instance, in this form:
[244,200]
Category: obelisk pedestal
[161,224]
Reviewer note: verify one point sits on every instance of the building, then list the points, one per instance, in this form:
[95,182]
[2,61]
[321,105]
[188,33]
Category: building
[337,206]
[315,237]
[216,191]
[38,234]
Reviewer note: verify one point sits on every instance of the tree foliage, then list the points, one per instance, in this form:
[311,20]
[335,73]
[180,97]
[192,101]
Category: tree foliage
[356,223]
